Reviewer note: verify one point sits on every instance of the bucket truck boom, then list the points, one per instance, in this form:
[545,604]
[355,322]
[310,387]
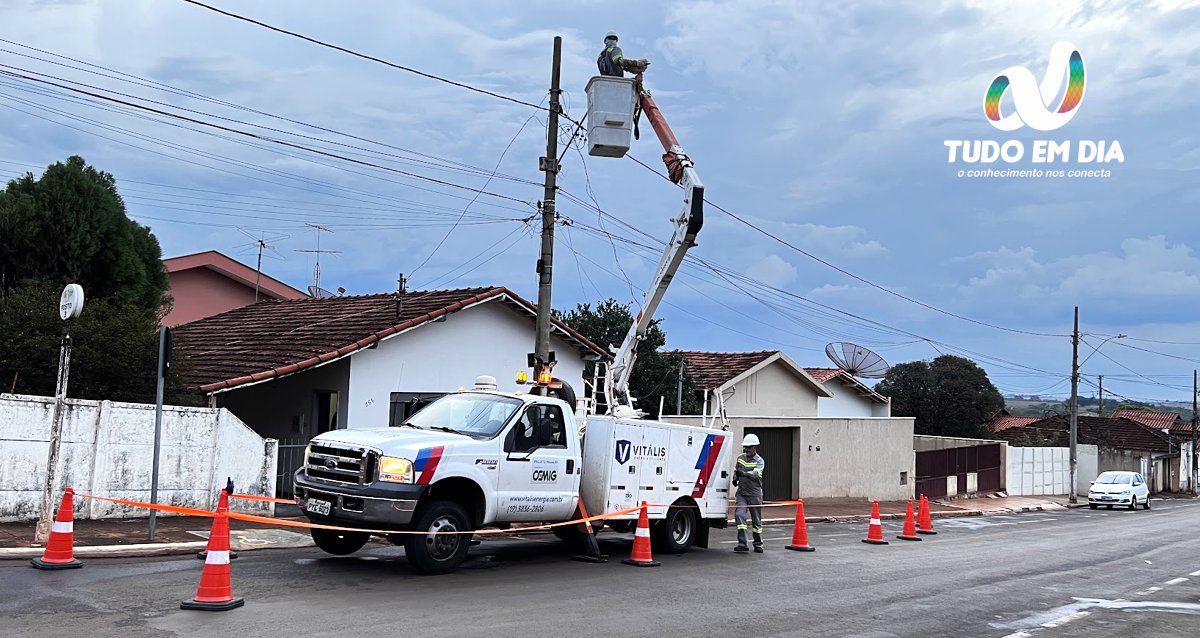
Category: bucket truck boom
[687,226]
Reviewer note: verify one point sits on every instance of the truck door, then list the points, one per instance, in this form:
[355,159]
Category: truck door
[539,473]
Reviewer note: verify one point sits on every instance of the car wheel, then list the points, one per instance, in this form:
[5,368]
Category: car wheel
[1132,502]
[339,543]
[1093,505]
[1108,507]
[676,532]
[1146,505]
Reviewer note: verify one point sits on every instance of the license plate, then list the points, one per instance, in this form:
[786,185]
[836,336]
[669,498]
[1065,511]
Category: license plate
[317,506]
[1106,498]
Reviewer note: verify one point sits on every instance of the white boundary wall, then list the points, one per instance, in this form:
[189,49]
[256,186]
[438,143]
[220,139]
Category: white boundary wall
[1046,471]
[107,450]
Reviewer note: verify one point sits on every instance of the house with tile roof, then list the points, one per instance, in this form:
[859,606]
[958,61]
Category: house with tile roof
[292,369]
[209,283]
[851,448]
[1123,444]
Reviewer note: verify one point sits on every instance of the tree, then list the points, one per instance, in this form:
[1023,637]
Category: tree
[655,373]
[69,226]
[950,396]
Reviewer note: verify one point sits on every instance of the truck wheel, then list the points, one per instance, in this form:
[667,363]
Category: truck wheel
[677,531]
[567,533]
[438,550]
[339,543]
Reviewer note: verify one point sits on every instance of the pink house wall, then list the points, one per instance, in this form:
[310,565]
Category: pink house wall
[200,293]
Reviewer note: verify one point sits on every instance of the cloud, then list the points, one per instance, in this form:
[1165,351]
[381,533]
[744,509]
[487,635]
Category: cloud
[772,270]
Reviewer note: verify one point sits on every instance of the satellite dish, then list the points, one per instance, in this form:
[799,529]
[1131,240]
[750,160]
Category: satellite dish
[857,360]
[318,292]
[70,304]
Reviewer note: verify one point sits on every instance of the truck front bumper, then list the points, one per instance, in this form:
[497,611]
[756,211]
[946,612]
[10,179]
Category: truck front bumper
[378,505]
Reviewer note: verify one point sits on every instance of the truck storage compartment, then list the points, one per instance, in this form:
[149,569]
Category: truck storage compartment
[610,115]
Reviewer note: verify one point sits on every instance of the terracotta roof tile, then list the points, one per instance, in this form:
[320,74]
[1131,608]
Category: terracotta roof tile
[1003,422]
[824,374]
[1156,420]
[712,369]
[1118,433]
[274,338]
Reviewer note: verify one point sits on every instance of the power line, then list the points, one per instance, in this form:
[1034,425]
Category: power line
[365,56]
[854,276]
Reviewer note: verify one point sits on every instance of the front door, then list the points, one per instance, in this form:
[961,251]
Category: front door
[539,479]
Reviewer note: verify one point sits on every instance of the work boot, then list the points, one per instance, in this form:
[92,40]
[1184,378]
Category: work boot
[741,548]
[758,549]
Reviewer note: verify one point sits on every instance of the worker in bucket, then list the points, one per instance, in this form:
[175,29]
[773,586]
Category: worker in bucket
[748,477]
[613,63]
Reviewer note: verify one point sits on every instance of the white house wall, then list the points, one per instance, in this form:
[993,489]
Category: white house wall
[772,391]
[443,356]
[107,449]
[846,402]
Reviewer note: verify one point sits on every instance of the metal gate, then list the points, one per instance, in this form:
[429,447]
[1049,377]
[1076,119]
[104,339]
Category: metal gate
[934,467]
[775,448]
[291,457]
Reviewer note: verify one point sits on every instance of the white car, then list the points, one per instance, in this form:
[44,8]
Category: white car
[1119,488]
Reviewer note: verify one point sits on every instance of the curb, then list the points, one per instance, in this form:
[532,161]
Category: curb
[111,551]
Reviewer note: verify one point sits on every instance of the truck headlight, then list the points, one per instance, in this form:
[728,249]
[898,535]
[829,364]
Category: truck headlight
[307,453]
[395,470]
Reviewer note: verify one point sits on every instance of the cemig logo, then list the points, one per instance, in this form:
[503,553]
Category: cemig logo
[1031,102]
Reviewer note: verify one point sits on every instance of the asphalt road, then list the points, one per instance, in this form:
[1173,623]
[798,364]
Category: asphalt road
[1048,574]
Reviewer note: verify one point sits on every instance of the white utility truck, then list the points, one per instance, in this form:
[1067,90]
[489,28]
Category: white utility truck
[482,457]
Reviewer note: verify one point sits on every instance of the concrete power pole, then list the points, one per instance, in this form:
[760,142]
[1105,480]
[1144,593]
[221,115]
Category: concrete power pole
[1195,474]
[1074,405]
[542,362]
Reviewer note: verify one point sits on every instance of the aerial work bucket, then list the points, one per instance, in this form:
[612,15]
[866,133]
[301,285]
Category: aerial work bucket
[610,115]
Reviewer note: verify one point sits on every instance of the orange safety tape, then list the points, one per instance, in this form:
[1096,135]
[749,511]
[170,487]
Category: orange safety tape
[264,499]
[188,511]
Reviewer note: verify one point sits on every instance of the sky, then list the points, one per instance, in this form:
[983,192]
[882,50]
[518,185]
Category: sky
[822,127]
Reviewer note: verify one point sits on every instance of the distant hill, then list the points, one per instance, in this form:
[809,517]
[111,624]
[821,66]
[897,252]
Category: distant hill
[1087,406]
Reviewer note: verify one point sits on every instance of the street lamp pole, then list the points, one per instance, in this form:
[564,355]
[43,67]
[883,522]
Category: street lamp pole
[1074,406]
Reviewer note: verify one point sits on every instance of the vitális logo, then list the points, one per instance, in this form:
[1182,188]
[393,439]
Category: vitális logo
[623,450]
[1034,105]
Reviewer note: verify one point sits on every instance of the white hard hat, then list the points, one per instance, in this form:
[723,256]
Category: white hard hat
[751,439]
[611,34]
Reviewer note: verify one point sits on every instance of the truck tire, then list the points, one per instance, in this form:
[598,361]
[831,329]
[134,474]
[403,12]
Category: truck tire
[339,543]
[433,553]
[677,531]
[567,533]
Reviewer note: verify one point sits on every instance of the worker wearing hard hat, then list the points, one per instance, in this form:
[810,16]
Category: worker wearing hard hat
[748,476]
[612,61]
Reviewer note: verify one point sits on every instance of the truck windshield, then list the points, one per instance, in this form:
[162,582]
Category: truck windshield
[475,415]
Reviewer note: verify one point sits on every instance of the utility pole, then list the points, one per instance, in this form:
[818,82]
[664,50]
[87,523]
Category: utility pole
[679,389]
[542,357]
[1195,474]
[1074,404]
[1100,411]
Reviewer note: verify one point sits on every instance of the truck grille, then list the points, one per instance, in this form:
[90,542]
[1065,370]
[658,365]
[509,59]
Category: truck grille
[341,464]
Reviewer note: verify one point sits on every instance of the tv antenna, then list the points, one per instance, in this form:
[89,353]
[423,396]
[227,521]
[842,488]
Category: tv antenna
[316,286]
[857,360]
[262,242]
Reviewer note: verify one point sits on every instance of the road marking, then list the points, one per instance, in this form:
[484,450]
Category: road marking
[1019,634]
[1195,573]
[1148,591]
[1176,581]
[1062,620]
[834,535]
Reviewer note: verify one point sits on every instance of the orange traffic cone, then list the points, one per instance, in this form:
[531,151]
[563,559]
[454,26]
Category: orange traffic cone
[222,506]
[925,520]
[910,525]
[640,556]
[216,591]
[875,532]
[800,532]
[60,548]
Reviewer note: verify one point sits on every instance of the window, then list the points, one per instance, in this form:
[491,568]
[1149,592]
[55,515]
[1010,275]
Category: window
[540,426]
[405,404]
